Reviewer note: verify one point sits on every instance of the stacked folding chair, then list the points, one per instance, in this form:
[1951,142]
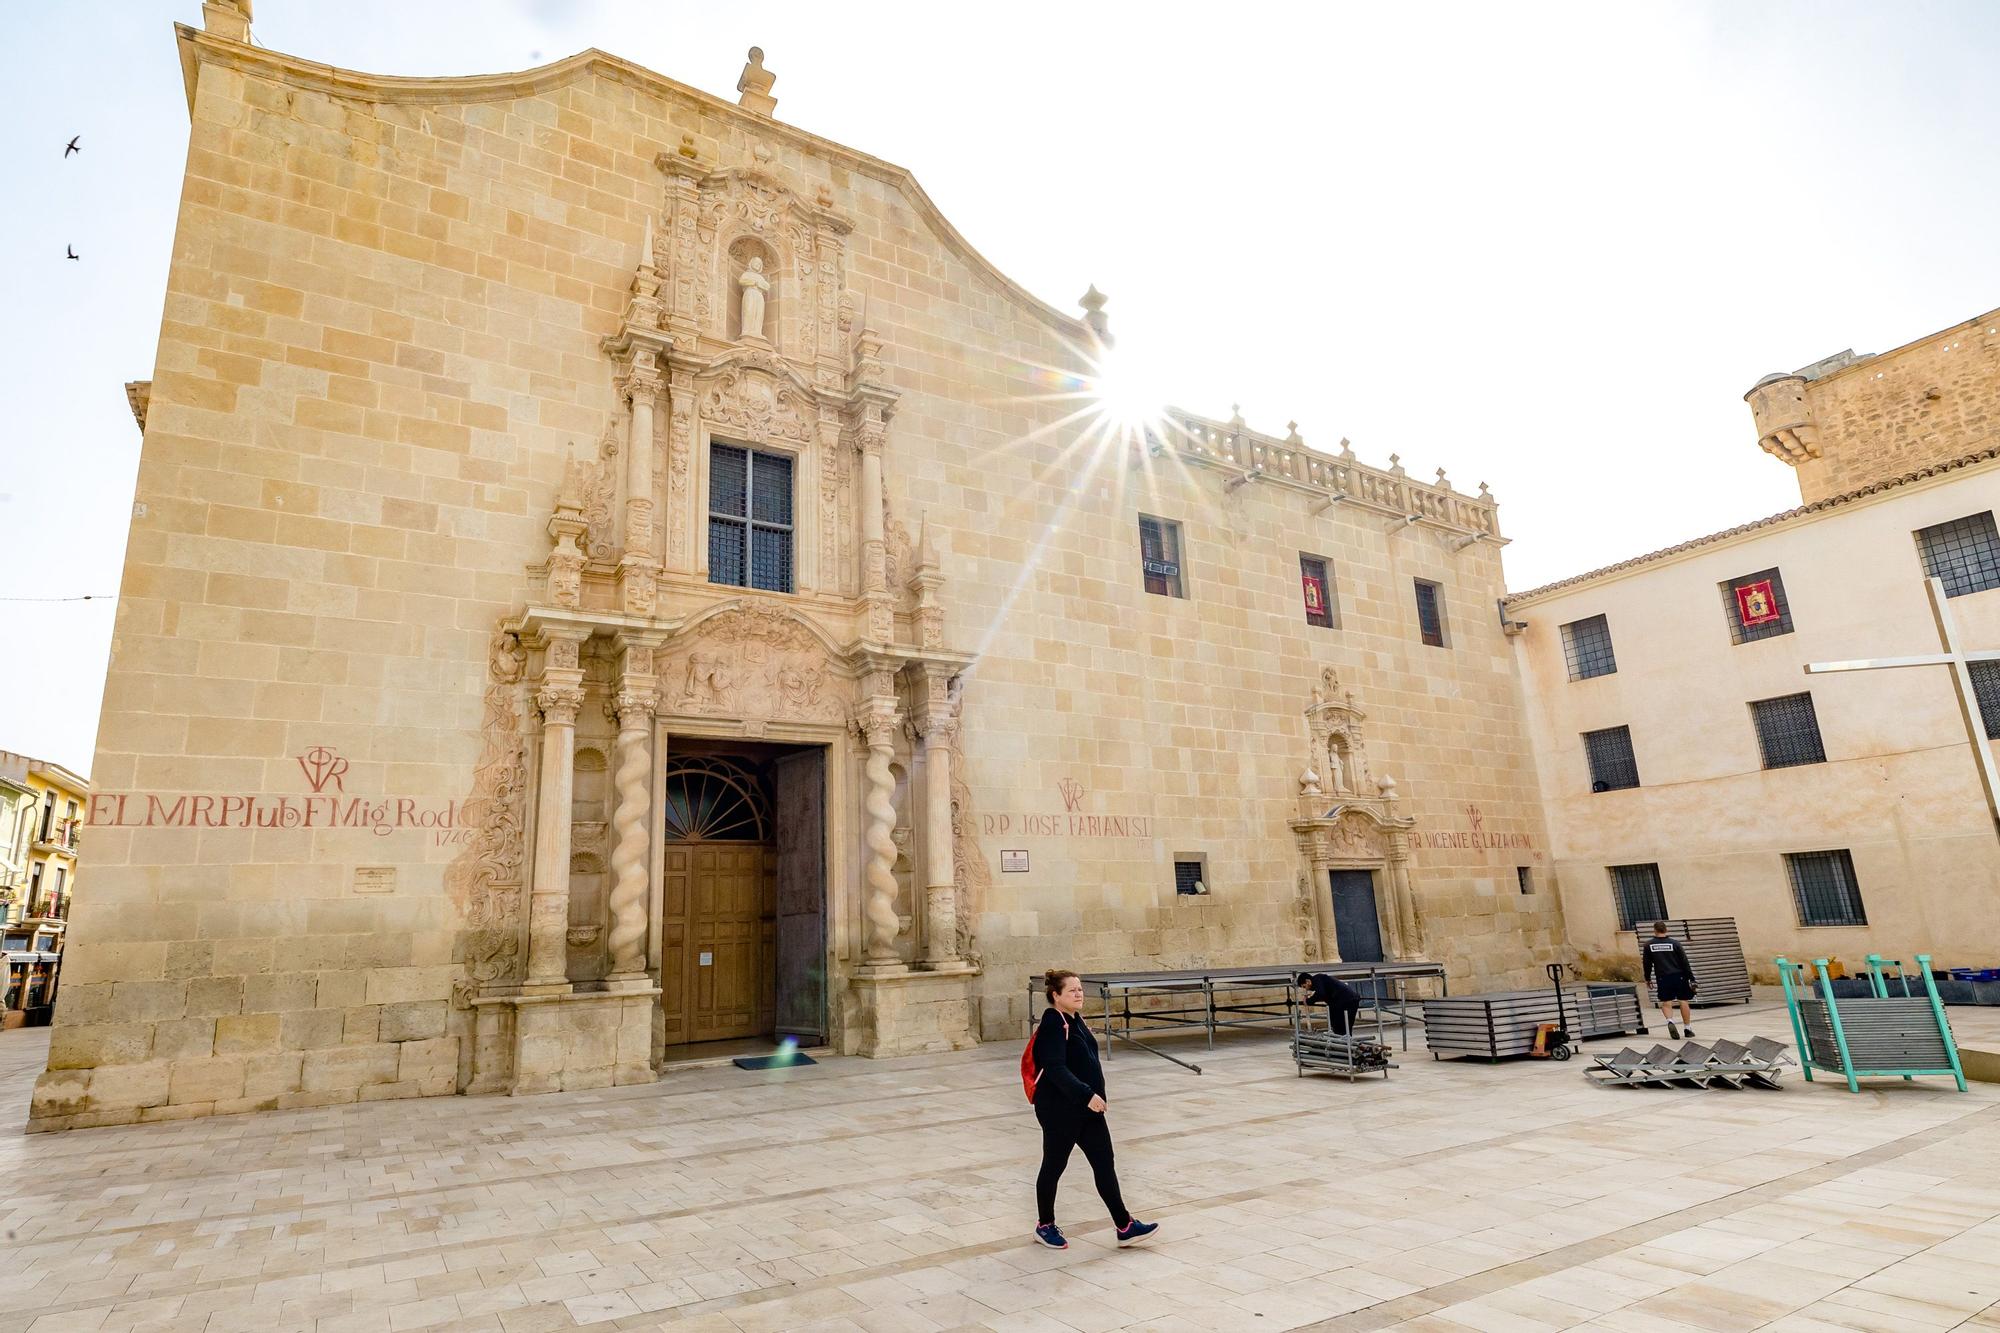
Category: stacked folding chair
[1722,1064]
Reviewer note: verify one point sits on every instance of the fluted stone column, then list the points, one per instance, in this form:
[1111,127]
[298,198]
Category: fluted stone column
[630,820]
[881,923]
[559,697]
[940,892]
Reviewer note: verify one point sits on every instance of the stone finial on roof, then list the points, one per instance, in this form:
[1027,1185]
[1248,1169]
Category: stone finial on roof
[755,83]
[227,18]
[1093,303]
[1443,483]
[1292,438]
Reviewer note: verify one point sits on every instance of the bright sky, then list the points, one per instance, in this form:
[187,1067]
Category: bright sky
[1543,246]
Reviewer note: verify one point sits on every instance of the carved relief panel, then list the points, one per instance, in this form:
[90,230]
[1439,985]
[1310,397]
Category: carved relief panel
[755,662]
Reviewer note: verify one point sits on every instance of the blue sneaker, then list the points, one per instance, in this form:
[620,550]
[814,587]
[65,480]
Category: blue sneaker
[1135,1231]
[1052,1236]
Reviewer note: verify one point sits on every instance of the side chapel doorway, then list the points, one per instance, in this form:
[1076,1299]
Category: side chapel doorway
[1357,928]
[743,911]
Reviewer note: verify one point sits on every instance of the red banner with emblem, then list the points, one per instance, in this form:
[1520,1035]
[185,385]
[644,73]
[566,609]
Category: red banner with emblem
[1315,599]
[1756,604]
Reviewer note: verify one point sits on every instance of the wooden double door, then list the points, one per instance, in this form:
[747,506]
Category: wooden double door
[743,910]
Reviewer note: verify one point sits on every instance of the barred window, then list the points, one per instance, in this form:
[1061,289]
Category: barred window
[1986,689]
[1430,612]
[749,518]
[1824,889]
[1787,731]
[1316,587]
[1612,766]
[1160,556]
[1637,893]
[1756,607]
[1965,553]
[1190,877]
[1587,648]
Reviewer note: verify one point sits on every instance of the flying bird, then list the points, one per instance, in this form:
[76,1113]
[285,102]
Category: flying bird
[71,252]
[73,146]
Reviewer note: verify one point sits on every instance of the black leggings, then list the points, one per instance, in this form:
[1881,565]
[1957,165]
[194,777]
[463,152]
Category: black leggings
[1062,1130]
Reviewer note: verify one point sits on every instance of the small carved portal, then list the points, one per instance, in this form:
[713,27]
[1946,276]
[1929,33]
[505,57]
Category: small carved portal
[1357,927]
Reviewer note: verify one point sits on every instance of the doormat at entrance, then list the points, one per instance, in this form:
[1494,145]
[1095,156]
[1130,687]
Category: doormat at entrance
[782,1060]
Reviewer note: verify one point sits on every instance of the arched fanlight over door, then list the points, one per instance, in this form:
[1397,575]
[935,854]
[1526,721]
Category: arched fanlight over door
[715,799]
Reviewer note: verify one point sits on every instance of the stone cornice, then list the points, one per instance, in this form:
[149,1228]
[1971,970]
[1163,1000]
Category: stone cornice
[198,47]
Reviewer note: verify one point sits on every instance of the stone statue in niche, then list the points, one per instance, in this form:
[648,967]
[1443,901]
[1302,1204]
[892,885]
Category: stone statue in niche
[756,288]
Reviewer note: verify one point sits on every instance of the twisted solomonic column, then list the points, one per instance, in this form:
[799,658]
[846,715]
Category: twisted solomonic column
[879,908]
[633,804]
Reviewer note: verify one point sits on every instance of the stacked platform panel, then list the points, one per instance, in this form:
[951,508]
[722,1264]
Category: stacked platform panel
[1503,1023]
[1715,951]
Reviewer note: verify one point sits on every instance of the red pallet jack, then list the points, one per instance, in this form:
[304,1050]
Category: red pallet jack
[1552,1040]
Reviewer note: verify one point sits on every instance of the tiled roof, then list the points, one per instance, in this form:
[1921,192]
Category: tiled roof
[1816,507]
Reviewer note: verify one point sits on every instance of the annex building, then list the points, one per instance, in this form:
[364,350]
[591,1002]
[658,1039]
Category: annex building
[1697,755]
[608,580]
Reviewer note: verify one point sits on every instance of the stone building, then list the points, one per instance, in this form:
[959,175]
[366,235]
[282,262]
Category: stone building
[1690,763]
[614,573]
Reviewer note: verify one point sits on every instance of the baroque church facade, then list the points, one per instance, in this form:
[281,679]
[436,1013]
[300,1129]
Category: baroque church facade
[608,579]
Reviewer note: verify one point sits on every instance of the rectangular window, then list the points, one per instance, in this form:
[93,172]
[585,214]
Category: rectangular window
[1316,588]
[1637,892]
[1787,731]
[1612,766]
[1191,876]
[48,814]
[1527,878]
[1430,612]
[1824,889]
[1160,556]
[1986,689]
[1756,607]
[1965,553]
[1587,648]
[749,518]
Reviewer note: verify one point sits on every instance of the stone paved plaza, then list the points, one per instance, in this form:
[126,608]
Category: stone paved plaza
[897,1195]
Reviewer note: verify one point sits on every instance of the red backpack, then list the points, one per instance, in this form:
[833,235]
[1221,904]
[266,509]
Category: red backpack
[1030,1075]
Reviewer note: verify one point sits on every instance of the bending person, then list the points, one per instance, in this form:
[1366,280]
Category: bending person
[1069,1105]
[1342,1001]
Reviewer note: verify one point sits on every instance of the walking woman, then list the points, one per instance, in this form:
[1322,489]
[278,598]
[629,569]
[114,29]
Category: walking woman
[1069,1104]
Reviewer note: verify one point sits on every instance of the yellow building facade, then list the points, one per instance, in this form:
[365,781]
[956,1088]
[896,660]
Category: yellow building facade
[615,573]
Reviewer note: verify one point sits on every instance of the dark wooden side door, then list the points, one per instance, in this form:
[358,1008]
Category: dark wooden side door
[1357,930]
[798,805]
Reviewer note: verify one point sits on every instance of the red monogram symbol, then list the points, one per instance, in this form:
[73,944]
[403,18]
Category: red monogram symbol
[1476,819]
[1072,793]
[322,765]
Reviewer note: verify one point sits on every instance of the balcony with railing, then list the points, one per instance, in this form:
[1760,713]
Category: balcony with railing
[1234,447]
[62,838]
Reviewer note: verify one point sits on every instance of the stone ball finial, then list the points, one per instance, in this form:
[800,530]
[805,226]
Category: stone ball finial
[1387,786]
[1309,782]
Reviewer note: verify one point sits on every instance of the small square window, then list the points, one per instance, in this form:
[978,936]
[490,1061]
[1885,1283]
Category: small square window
[1527,878]
[1430,612]
[1638,895]
[1787,731]
[1824,889]
[1612,765]
[1316,588]
[1160,556]
[1986,689]
[1190,875]
[1756,606]
[1587,648]
[1965,553]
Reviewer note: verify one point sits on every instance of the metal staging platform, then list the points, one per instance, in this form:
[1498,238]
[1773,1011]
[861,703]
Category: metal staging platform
[1208,998]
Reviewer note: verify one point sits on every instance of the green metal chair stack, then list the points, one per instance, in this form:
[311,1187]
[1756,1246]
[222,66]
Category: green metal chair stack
[1879,1035]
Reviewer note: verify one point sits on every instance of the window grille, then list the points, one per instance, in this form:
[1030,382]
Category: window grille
[1732,607]
[1824,889]
[1526,877]
[1587,648]
[749,518]
[1612,766]
[1316,587]
[1160,556]
[1787,731]
[1986,689]
[1965,553]
[1639,897]
[1430,613]
[1190,877]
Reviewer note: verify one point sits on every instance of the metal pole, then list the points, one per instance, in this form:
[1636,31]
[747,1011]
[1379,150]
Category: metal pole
[1839,1033]
[1798,1025]
[1944,1027]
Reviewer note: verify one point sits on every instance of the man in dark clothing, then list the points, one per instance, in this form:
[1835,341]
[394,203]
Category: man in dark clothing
[1342,1001]
[1069,1106]
[1672,976]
